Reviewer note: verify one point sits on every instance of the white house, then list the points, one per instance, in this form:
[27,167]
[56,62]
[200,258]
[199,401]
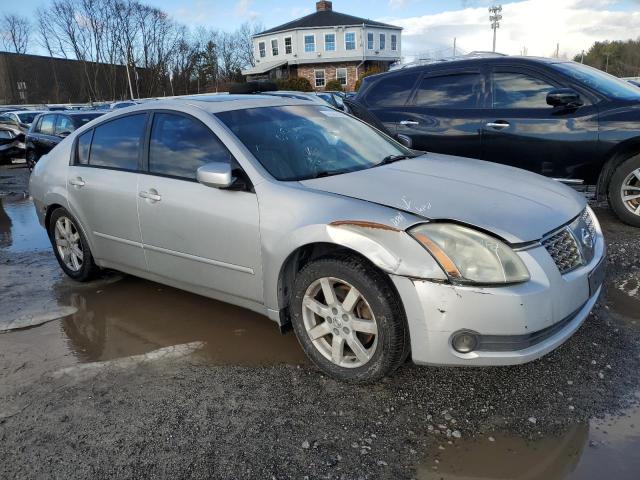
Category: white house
[323,46]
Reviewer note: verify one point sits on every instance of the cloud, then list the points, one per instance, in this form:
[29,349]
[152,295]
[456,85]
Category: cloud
[538,25]
[395,4]
[243,9]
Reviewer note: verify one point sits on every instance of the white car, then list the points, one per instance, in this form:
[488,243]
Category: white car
[371,251]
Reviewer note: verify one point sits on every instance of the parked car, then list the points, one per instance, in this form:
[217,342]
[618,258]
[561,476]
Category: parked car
[335,99]
[369,252]
[557,118]
[48,129]
[20,118]
[11,142]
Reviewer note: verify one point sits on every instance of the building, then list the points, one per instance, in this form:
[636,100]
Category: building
[324,46]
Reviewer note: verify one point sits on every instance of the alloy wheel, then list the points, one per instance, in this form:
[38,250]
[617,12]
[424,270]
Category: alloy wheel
[630,192]
[340,322]
[68,244]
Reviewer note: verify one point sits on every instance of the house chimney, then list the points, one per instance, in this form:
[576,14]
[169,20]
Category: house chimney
[323,5]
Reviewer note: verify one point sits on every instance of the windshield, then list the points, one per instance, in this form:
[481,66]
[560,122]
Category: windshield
[27,117]
[306,141]
[612,87]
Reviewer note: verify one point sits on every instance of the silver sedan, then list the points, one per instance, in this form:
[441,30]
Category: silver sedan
[371,251]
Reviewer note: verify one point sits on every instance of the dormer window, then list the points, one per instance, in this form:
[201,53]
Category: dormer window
[309,43]
[330,42]
[350,41]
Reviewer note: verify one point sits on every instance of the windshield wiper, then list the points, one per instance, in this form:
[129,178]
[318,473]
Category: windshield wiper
[393,158]
[328,173]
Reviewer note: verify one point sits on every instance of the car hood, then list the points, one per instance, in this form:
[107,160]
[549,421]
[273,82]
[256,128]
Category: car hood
[517,205]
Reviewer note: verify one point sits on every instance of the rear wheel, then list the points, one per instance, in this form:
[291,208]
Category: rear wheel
[624,191]
[32,159]
[349,320]
[70,246]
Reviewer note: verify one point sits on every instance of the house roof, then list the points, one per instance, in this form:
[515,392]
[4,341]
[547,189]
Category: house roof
[326,18]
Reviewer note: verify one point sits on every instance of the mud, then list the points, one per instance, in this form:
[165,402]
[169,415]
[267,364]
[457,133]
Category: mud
[139,380]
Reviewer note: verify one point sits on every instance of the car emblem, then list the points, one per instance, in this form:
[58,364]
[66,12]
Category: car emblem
[587,238]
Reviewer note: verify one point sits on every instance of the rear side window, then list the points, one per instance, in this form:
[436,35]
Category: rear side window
[116,144]
[84,145]
[64,124]
[462,90]
[47,124]
[519,90]
[179,145]
[392,91]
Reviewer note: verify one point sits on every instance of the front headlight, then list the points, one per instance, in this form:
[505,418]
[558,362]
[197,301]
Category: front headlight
[470,256]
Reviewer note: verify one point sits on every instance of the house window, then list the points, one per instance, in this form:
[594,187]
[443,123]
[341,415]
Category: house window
[263,49]
[287,45]
[341,75]
[394,42]
[319,76]
[309,43]
[370,43]
[350,41]
[330,42]
[383,40]
[274,47]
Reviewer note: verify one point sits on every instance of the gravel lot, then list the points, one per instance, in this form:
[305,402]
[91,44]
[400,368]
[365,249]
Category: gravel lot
[174,406]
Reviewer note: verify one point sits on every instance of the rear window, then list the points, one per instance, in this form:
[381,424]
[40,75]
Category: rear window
[462,90]
[116,144]
[391,91]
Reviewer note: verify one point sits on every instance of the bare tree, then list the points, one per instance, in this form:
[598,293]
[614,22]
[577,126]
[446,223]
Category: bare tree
[15,33]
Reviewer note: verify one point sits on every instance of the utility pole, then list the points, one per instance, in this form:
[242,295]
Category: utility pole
[495,18]
[606,68]
[454,46]
[582,57]
[557,50]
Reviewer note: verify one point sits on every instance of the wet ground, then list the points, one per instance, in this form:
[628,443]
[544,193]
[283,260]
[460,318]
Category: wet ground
[127,378]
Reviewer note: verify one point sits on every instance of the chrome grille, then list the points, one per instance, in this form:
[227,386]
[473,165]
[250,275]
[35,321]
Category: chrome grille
[563,248]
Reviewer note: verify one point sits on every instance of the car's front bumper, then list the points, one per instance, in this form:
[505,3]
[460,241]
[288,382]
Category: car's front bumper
[15,147]
[518,323]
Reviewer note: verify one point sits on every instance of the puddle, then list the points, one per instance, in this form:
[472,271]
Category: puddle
[623,295]
[19,227]
[604,448]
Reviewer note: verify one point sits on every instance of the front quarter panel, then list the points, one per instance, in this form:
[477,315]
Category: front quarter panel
[292,216]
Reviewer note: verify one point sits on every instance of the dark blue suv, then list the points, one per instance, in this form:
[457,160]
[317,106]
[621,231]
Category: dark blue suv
[557,118]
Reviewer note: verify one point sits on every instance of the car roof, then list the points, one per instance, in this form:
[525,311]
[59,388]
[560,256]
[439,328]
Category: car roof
[473,60]
[18,112]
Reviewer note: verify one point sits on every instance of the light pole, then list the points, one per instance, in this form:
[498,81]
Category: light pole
[495,18]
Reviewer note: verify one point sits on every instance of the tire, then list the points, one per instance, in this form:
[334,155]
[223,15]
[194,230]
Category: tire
[86,268]
[377,309]
[32,159]
[625,182]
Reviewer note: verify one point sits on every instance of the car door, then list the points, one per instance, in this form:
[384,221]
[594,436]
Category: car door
[446,112]
[524,131]
[203,237]
[102,190]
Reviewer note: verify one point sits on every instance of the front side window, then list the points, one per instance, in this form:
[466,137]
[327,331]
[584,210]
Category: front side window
[383,41]
[341,75]
[519,90]
[463,90]
[330,42]
[394,42]
[392,91]
[287,45]
[370,41]
[64,125]
[263,49]
[274,47]
[116,144]
[319,77]
[309,43]
[306,141]
[83,147]
[350,41]
[180,145]
[47,124]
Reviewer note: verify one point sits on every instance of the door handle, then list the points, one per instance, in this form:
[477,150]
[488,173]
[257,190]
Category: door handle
[150,195]
[77,182]
[498,124]
[409,122]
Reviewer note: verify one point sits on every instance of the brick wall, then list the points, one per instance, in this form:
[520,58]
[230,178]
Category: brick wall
[308,71]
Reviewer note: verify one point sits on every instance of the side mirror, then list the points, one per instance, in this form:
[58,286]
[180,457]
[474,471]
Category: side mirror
[215,174]
[405,140]
[564,97]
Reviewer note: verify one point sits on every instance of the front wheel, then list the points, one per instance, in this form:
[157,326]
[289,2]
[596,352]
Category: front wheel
[349,320]
[32,159]
[624,191]
[71,247]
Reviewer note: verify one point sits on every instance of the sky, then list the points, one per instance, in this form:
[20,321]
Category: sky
[533,26]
